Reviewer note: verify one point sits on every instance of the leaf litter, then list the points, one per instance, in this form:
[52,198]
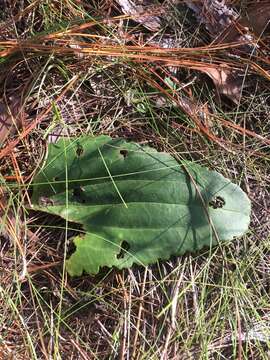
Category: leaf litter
[225,25]
[11,117]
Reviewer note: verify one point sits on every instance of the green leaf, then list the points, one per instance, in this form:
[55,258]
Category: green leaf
[136,205]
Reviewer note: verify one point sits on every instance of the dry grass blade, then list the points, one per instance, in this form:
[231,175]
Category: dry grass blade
[4,152]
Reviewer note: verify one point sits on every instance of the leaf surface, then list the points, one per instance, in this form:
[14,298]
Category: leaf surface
[136,205]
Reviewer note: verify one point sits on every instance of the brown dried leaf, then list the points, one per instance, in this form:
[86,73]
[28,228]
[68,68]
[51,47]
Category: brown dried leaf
[227,82]
[254,24]
[224,25]
[10,117]
[258,17]
[7,217]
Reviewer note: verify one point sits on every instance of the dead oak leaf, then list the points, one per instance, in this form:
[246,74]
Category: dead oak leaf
[228,82]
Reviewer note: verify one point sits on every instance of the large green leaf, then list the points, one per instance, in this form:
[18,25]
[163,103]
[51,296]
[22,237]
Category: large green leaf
[136,205]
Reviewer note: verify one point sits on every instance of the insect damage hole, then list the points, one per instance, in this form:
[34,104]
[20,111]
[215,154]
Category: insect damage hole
[79,150]
[217,202]
[79,194]
[124,247]
[124,152]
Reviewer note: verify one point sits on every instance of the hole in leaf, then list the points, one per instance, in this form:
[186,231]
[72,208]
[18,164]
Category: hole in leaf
[77,191]
[79,151]
[124,152]
[123,249]
[78,194]
[217,202]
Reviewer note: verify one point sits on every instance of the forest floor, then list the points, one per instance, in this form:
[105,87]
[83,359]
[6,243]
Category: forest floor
[188,78]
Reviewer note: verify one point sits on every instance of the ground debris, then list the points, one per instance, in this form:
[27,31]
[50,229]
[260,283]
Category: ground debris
[11,115]
[141,13]
[228,82]
[215,15]
[226,25]
[10,224]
